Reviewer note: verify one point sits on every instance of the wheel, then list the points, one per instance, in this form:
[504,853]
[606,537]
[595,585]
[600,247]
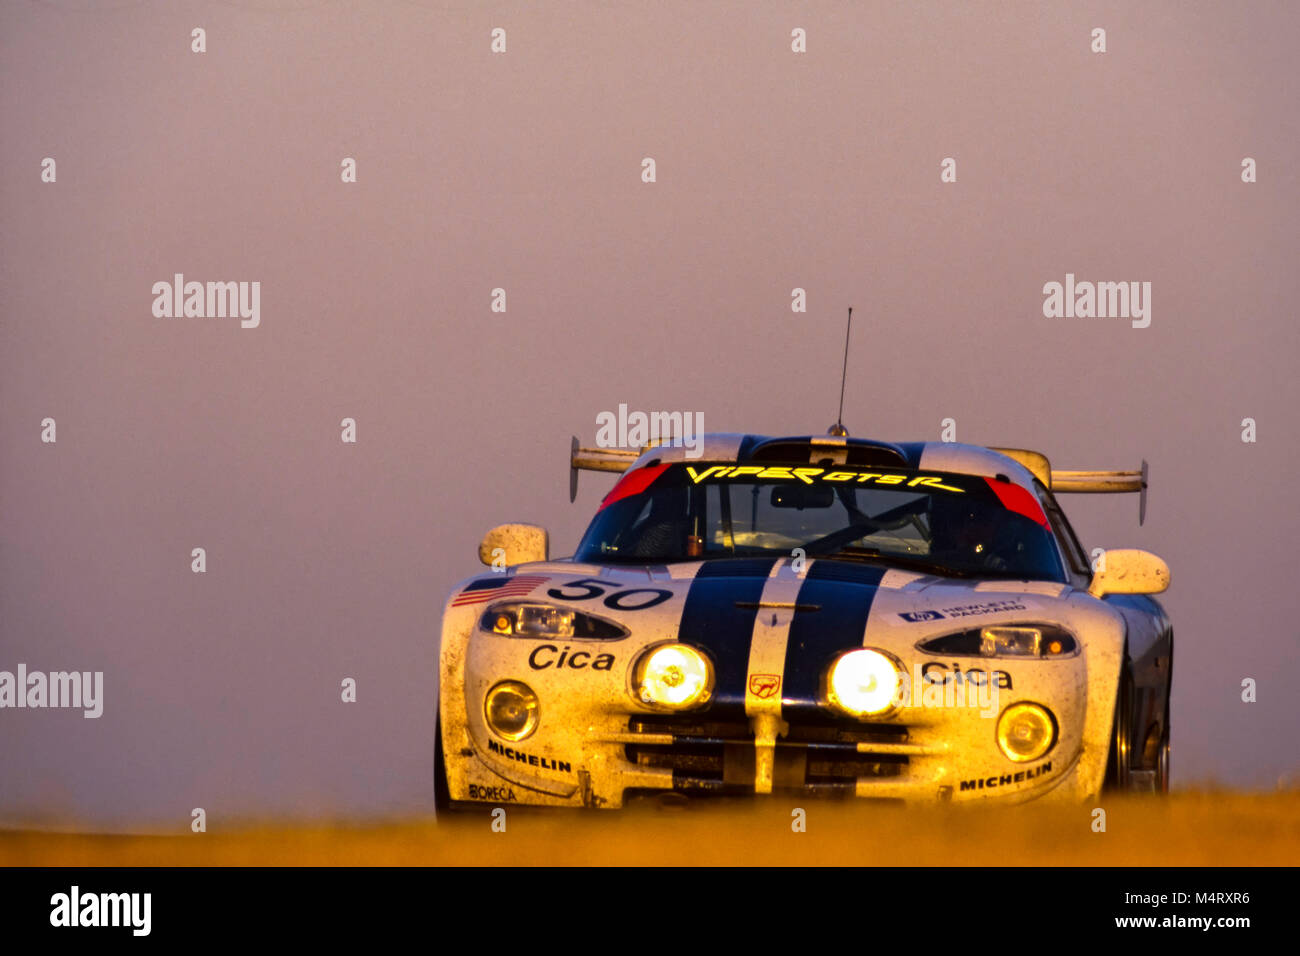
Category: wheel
[444,806]
[1162,759]
[1118,777]
[441,792]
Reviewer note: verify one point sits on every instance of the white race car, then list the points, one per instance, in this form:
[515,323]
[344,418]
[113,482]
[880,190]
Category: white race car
[811,615]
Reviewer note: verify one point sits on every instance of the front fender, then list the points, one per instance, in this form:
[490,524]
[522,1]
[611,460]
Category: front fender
[1103,632]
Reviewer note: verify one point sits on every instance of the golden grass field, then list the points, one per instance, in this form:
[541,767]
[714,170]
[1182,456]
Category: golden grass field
[1185,829]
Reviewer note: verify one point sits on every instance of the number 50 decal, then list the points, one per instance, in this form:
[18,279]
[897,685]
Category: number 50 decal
[626,600]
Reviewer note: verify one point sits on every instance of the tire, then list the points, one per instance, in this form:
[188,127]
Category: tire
[441,792]
[445,808]
[1162,758]
[1118,778]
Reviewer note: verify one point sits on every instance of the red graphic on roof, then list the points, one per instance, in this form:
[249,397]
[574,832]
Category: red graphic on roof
[1018,499]
[633,483]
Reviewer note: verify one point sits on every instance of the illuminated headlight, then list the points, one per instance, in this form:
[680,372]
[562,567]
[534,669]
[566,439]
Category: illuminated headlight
[545,621]
[864,683]
[676,676]
[1026,732]
[511,710]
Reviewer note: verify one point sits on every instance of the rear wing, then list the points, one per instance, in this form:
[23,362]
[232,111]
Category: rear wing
[1060,481]
[597,459]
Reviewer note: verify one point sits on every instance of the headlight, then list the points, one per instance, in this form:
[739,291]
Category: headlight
[511,710]
[543,620]
[1026,732]
[675,676]
[863,683]
[1014,640]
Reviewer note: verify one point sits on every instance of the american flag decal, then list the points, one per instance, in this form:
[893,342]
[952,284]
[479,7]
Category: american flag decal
[498,586]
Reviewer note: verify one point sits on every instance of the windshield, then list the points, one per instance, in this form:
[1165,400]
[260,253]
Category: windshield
[956,525]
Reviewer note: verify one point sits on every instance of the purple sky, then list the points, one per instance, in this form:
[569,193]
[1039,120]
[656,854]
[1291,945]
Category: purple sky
[476,170]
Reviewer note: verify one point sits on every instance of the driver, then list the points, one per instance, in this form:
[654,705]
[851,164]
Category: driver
[971,534]
[665,528]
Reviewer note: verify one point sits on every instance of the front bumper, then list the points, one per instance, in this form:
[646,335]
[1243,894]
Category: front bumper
[920,757]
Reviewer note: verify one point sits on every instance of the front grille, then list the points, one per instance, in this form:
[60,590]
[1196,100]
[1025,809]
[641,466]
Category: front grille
[719,755]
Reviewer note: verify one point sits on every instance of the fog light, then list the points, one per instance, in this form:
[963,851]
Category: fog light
[511,710]
[673,675]
[863,683]
[1026,732]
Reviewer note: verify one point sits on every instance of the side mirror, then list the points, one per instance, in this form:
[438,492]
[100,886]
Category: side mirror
[510,544]
[1128,571]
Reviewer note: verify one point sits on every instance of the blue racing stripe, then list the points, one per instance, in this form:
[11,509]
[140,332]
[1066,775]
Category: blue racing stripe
[486,584]
[912,451]
[747,446]
[711,620]
[843,592]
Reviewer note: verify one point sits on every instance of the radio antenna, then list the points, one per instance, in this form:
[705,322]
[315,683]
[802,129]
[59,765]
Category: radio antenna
[838,430]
